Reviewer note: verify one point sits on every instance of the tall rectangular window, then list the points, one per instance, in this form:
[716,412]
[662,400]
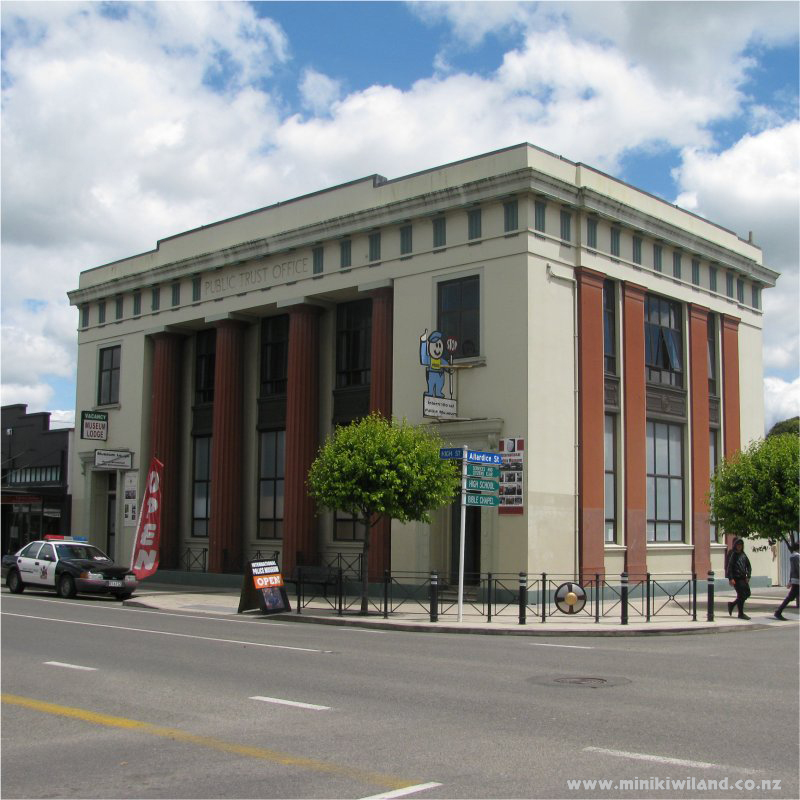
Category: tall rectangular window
[205,362]
[345,253]
[85,315]
[274,355]
[317,254]
[696,271]
[155,298]
[756,297]
[676,265]
[711,329]
[615,239]
[101,312]
[458,314]
[439,232]
[510,216]
[196,287]
[176,294]
[566,226]
[474,224]
[712,279]
[657,257]
[108,377]
[609,328]
[637,249]
[591,233]
[375,246]
[740,290]
[272,448]
[201,485]
[353,343]
[729,284]
[120,305]
[663,341]
[664,482]
[713,463]
[406,240]
[137,304]
[539,215]
[610,458]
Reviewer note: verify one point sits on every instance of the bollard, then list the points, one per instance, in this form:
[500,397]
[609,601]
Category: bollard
[523,600]
[434,596]
[299,587]
[710,609]
[386,579]
[623,595]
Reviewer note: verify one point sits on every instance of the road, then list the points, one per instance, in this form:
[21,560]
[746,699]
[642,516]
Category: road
[101,700]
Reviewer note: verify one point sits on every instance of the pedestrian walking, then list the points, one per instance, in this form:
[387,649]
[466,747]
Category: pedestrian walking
[738,571]
[794,579]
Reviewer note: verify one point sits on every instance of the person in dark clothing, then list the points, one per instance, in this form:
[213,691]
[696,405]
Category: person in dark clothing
[794,579]
[737,571]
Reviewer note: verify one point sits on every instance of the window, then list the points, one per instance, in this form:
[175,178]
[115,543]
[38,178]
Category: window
[176,294]
[712,356]
[566,226]
[458,314]
[375,246]
[510,216]
[713,463]
[539,215]
[317,255]
[474,224]
[205,361]
[85,315]
[196,286]
[271,484]
[696,271]
[610,457]
[615,238]
[201,485]
[345,256]
[664,482]
[676,265]
[120,305]
[756,297]
[137,304]
[657,257]
[353,343]
[609,328]
[155,301]
[108,379]
[274,355]
[712,279]
[591,233]
[729,284]
[101,312]
[663,341]
[439,232]
[740,290]
[637,249]
[406,240]
[347,528]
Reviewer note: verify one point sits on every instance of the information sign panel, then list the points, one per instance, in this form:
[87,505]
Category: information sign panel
[485,500]
[482,485]
[482,471]
[263,588]
[94,425]
[451,453]
[482,457]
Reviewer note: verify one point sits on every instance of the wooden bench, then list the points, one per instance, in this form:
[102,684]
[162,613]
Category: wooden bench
[322,577]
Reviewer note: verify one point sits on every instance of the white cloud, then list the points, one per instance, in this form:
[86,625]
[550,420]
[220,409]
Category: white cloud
[781,400]
[318,91]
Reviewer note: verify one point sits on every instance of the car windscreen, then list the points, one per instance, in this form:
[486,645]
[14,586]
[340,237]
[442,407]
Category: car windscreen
[81,551]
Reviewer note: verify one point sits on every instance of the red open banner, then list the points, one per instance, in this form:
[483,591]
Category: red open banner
[144,558]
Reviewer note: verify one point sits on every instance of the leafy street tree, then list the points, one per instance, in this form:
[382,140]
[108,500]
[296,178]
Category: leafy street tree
[754,494]
[791,425]
[377,468]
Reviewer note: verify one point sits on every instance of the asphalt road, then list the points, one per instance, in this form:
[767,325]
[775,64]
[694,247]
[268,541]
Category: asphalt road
[106,701]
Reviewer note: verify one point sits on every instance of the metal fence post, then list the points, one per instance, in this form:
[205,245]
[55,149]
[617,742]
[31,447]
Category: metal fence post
[623,594]
[648,587]
[694,597]
[340,591]
[597,597]
[523,600]
[434,596]
[488,596]
[543,595]
[386,579]
[710,609]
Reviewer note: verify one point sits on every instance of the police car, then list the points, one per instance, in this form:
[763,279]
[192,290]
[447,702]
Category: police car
[69,566]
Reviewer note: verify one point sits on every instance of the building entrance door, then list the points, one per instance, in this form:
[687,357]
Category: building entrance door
[472,544]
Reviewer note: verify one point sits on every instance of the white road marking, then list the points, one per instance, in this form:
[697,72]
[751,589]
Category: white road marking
[678,762]
[294,703]
[572,646]
[420,787]
[166,633]
[70,666]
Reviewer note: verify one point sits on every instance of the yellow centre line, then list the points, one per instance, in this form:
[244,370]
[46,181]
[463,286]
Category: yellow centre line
[95,718]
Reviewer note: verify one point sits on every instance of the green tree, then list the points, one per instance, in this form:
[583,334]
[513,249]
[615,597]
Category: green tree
[754,494]
[377,468]
[791,425]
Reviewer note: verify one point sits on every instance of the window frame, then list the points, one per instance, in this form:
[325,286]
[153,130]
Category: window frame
[511,216]
[274,356]
[375,246]
[345,253]
[636,255]
[204,366]
[664,356]
[659,482]
[317,260]
[353,347]
[451,321]
[439,232]
[474,224]
[406,239]
[109,375]
[610,527]
[203,481]
[540,216]
[272,476]
[616,241]
[566,226]
[591,233]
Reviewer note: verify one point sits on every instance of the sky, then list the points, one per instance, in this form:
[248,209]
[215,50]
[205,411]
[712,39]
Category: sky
[124,123]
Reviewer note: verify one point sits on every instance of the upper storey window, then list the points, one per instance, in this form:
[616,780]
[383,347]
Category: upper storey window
[459,314]
[663,341]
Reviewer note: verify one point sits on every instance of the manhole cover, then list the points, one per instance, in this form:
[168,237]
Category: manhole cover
[583,681]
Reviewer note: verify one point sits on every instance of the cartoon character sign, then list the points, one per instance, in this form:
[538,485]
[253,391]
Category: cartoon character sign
[438,368]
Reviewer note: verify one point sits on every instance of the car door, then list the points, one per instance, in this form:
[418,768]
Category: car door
[44,567]
[27,562]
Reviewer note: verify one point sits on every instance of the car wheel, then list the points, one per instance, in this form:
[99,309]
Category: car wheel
[14,582]
[66,587]
[123,595]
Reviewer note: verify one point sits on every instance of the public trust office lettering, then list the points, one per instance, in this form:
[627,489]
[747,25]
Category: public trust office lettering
[255,278]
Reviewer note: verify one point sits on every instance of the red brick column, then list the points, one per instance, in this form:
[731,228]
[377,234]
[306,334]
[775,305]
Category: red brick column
[225,525]
[701,470]
[731,423]
[165,438]
[302,436]
[380,400]
[635,429]
[591,425]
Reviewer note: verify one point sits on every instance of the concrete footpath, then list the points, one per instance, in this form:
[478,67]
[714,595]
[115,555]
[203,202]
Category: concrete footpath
[412,617]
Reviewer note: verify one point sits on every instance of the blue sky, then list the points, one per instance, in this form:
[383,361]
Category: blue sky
[123,123]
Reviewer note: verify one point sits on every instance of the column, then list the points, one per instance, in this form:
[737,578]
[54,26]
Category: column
[701,469]
[380,401]
[302,437]
[165,439]
[731,426]
[225,534]
[635,430]
[591,425]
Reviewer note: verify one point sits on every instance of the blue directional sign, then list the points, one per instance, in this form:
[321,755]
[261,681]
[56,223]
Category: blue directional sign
[451,453]
[481,457]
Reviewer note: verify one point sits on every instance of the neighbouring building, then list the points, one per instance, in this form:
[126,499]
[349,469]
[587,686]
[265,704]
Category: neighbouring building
[35,498]
[606,342]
